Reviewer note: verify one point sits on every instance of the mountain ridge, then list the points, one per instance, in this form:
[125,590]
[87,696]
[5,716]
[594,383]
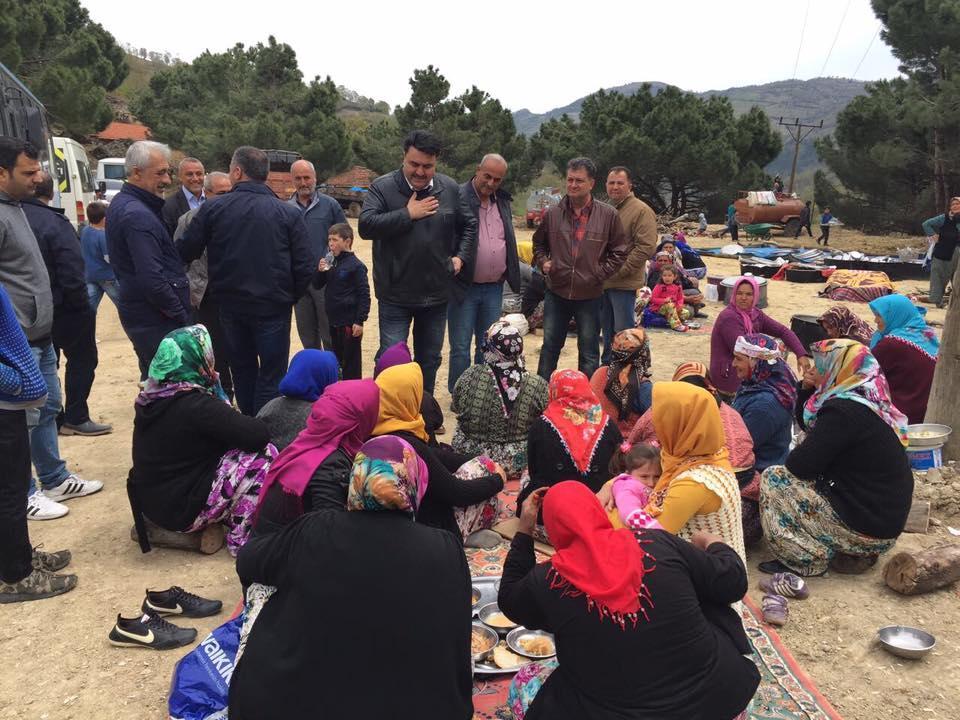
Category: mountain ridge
[806,100]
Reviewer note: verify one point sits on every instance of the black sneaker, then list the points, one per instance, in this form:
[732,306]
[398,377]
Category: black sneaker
[150,631]
[177,601]
[52,562]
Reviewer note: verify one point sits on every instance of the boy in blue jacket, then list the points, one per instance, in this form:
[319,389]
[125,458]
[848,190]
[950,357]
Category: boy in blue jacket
[25,573]
[347,298]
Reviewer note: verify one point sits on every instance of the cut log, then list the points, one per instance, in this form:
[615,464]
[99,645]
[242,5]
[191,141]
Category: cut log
[918,521]
[921,572]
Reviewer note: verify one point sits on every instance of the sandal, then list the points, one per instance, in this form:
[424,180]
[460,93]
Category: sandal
[775,610]
[786,584]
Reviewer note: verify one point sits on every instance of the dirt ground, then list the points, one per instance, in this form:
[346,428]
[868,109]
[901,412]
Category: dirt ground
[61,665]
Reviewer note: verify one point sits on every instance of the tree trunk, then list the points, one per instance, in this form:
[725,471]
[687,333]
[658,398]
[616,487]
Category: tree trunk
[913,574]
[939,176]
[944,404]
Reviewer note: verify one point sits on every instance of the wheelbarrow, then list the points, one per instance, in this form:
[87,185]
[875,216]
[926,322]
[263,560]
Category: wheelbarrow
[759,230]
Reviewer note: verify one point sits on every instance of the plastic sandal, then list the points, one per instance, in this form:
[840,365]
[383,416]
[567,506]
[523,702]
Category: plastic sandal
[786,584]
[775,610]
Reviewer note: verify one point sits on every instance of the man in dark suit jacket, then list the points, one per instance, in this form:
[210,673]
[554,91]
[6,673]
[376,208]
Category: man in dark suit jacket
[188,197]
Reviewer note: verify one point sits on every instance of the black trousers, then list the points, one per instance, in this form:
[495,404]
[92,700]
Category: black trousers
[824,234]
[74,334]
[15,550]
[146,340]
[347,349]
[209,315]
[801,228]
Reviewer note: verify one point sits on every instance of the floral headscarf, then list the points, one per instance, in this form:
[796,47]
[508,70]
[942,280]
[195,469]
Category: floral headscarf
[503,353]
[574,412]
[903,321]
[183,362]
[629,367]
[849,371]
[387,475]
[847,324]
[770,373]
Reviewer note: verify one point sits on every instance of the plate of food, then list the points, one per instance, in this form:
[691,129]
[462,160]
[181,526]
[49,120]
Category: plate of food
[534,644]
[491,616]
[501,660]
[484,591]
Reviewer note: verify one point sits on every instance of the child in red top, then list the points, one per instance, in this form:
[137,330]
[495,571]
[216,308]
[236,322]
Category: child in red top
[667,299]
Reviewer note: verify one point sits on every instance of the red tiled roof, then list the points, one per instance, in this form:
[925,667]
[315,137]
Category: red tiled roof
[356,176]
[124,131]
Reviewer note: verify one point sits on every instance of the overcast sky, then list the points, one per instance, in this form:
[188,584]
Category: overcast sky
[537,55]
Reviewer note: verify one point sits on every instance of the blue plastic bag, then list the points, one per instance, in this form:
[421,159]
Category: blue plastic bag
[201,680]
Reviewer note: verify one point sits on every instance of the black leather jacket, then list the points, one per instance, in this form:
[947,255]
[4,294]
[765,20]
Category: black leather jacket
[412,260]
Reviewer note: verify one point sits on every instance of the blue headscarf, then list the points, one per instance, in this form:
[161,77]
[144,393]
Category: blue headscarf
[902,320]
[310,372]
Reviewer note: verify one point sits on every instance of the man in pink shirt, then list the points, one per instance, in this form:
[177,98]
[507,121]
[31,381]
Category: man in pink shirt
[477,294]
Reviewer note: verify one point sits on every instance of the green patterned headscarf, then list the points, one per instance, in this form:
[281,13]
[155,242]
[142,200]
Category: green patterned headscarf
[183,361]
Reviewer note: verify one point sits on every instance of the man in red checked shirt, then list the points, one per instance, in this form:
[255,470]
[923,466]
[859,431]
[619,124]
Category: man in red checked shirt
[579,244]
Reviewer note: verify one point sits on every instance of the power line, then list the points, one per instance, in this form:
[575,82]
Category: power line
[837,35]
[867,51]
[803,29]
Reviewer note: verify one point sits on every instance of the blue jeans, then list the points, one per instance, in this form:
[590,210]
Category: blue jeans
[616,312]
[429,324]
[557,312]
[42,422]
[95,291]
[258,349]
[468,321]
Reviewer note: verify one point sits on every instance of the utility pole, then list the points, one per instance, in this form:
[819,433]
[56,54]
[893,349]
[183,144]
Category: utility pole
[798,132]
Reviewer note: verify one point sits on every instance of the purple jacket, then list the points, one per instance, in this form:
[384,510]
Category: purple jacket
[728,327]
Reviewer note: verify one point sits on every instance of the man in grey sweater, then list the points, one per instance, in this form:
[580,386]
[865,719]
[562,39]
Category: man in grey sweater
[24,276]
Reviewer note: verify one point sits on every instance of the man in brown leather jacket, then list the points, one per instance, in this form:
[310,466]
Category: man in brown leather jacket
[579,244]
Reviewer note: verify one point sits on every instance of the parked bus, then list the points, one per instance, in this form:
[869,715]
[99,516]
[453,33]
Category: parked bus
[75,182]
[23,116]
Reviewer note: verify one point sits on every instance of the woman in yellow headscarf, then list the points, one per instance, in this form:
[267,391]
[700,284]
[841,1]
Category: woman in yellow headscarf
[697,489]
[462,503]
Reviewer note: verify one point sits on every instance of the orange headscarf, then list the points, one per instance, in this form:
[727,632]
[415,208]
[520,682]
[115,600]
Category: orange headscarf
[687,422]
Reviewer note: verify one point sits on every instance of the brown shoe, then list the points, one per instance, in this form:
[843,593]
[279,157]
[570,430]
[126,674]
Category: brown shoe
[38,585]
[852,564]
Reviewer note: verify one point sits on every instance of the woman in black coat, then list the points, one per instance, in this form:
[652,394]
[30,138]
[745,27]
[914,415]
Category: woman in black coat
[643,631]
[573,439]
[371,617]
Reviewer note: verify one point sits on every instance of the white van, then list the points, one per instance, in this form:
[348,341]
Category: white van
[112,173]
[73,176]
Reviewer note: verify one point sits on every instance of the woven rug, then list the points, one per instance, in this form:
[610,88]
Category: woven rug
[785,691]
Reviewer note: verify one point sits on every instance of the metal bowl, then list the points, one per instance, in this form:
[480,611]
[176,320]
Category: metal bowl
[905,641]
[476,595]
[516,636]
[934,434]
[487,610]
[491,635]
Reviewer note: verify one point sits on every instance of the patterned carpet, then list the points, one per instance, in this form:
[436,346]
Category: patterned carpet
[785,692]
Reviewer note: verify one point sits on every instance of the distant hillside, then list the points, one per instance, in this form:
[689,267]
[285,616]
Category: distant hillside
[810,100]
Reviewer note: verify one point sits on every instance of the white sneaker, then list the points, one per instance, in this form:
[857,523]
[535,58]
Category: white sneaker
[40,507]
[73,487]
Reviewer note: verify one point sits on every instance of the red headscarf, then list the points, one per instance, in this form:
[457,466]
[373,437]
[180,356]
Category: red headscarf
[593,559]
[575,413]
[343,417]
[748,317]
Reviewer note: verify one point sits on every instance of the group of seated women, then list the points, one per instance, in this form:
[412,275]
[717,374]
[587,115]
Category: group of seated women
[361,515]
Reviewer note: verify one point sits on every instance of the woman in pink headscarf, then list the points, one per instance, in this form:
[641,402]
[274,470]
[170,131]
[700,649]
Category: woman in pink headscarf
[743,317]
[313,471]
